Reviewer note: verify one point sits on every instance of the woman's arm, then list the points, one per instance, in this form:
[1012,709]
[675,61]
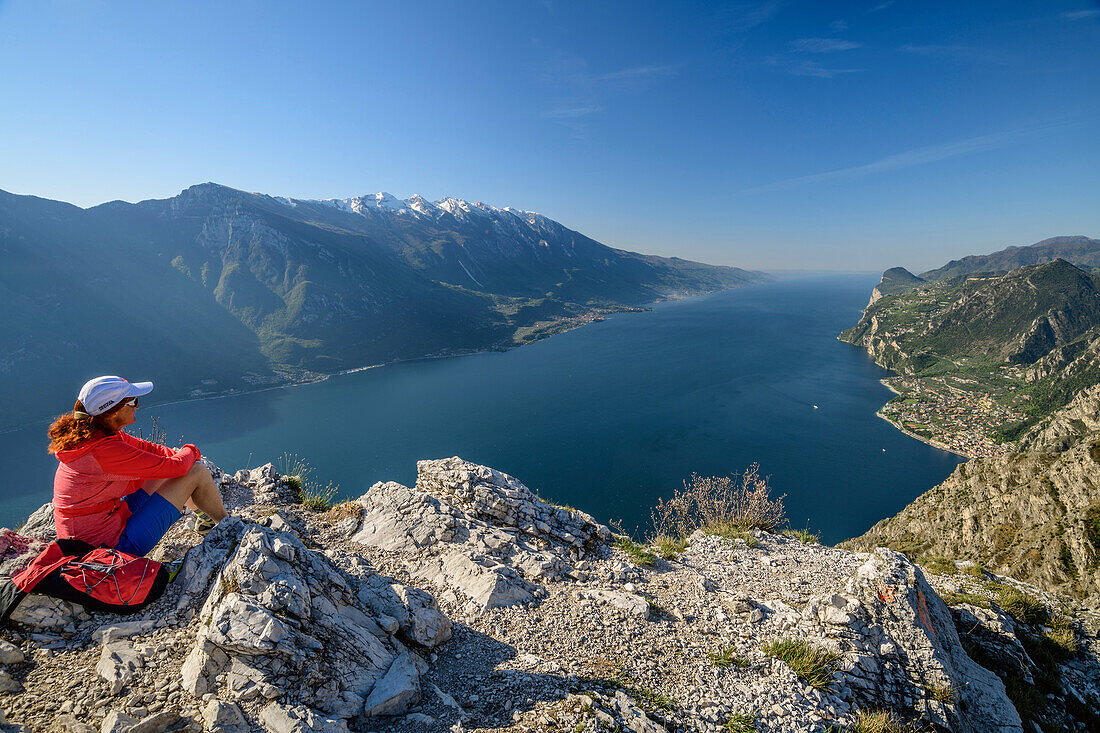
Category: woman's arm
[122,459]
[147,445]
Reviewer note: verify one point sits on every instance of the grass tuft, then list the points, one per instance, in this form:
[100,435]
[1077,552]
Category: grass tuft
[805,536]
[635,552]
[728,657]
[881,721]
[297,474]
[741,723]
[668,547]
[343,510]
[1060,640]
[812,664]
[731,532]
[1020,606]
[973,599]
[938,564]
[944,694]
[974,571]
[229,585]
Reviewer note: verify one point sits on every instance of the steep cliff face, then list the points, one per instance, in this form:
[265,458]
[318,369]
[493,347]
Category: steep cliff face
[1076,423]
[1028,515]
[1034,515]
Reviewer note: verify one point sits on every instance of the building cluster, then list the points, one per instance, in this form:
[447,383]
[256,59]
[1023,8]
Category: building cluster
[960,418]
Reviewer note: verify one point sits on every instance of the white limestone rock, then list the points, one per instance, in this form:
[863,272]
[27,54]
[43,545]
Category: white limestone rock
[889,596]
[7,684]
[117,722]
[224,717]
[632,604]
[10,653]
[118,663]
[477,531]
[282,622]
[398,689]
[43,612]
[40,524]
[278,718]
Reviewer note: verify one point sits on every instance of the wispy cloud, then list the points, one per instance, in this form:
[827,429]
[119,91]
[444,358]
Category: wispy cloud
[838,26]
[911,158]
[577,91]
[636,73]
[822,45]
[966,53]
[812,68]
[882,6]
[806,67]
[1081,14]
[568,113]
[746,16]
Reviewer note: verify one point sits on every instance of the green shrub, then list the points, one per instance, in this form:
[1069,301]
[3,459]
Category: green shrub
[720,505]
[812,664]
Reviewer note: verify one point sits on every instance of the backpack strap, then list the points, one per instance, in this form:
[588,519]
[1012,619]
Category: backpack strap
[49,560]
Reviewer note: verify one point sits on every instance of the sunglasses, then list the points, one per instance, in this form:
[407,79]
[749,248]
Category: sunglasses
[133,402]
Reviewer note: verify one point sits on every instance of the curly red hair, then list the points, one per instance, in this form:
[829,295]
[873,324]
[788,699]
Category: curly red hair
[73,428]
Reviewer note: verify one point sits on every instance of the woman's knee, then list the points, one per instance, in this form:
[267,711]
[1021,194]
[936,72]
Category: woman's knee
[200,471]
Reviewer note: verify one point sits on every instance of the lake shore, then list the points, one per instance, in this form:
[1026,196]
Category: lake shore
[548,329]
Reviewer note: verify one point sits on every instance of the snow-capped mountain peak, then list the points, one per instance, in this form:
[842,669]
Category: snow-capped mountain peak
[417,206]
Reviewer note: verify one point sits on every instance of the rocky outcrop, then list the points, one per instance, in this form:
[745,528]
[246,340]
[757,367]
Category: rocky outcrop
[282,623]
[477,531]
[468,602]
[1077,422]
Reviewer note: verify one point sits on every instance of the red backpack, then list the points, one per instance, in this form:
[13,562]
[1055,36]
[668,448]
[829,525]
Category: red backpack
[98,578]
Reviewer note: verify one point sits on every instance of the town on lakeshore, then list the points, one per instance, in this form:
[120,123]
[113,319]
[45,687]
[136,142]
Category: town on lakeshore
[956,413]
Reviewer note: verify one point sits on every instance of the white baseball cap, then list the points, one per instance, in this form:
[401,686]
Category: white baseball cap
[102,393]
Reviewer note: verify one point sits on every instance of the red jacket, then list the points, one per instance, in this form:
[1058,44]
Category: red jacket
[93,477]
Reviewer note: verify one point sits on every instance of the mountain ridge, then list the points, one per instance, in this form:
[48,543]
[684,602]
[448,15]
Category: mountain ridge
[217,289]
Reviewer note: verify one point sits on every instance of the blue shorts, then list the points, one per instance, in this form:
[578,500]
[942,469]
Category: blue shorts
[151,516]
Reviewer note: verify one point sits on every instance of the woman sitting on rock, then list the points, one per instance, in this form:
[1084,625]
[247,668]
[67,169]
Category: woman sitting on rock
[117,490]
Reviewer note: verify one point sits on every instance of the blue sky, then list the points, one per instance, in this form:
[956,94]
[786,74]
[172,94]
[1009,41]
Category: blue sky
[772,134]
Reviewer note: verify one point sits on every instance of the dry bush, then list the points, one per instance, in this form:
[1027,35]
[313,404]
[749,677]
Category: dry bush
[720,505]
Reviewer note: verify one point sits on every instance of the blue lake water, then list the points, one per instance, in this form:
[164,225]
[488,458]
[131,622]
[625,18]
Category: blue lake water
[608,417]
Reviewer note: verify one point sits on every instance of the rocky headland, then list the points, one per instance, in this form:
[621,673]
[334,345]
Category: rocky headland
[466,602]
